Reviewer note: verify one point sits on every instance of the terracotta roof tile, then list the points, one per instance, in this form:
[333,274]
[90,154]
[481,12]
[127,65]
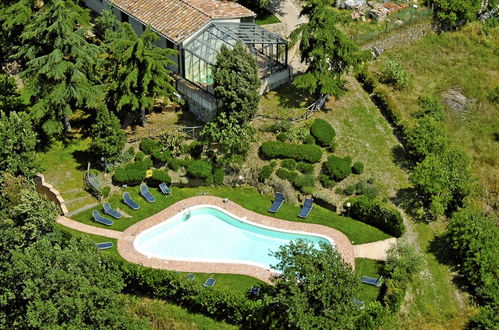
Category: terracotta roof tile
[221,8]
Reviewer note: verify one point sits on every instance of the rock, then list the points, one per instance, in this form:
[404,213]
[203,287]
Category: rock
[456,101]
[354,3]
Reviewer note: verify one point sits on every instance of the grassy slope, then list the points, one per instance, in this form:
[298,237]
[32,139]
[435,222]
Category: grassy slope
[249,198]
[367,267]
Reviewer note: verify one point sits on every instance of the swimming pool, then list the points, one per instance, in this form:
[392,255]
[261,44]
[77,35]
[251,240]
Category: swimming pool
[207,233]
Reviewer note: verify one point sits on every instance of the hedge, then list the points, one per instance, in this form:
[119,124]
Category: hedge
[323,132]
[383,99]
[265,173]
[338,168]
[144,164]
[284,174]
[305,167]
[301,152]
[358,167]
[199,169]
[161,156]
[161,176]
[289,164]
[367,80]
[218,176]
[149,146]
[378,214]
[129,175]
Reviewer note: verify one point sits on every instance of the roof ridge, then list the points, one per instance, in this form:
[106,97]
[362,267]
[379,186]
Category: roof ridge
[196,8]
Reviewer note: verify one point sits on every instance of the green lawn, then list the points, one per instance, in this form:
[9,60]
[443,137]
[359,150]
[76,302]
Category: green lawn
[368,267]
[263,16]
[249,198]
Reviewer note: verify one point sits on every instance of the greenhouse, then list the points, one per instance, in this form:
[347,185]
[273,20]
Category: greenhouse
[200,52]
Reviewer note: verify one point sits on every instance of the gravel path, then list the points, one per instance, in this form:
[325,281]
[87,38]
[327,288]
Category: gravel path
[374,250]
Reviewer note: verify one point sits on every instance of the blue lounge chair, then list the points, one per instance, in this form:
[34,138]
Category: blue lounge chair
[165,189]
[307,207]
[144,191]
[372,280]
[358,303]
[209,282]
[100,219]
[104,245]
[278,201]
[255,290]
[191,276]
[110,211]
[127,199]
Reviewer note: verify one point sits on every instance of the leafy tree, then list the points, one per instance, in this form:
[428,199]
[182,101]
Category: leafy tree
[325,49]
[106,25]
[60,64]
[427,137]
[314,289]
[10,99]
[108,140]
[455,13]
[226,139]
[236,83]
[137,71]
[18,141]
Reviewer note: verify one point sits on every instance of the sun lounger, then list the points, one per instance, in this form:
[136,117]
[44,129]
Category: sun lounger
[144,191]
[255,290]
[127,199]
[278,201]
[358,303]
[110,211]
[100,219]
[191,276]
[372,280]
[209,282]
[104,245]
[165,189]
[307,207]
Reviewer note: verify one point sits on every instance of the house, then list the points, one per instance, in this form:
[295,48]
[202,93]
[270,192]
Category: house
[197,29]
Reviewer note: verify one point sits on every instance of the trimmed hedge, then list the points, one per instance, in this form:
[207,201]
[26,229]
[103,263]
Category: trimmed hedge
[383,99]
[284,174]
[289,164]
[305,167]
[149,146]
[338,168]
[265,173]
[139,156]
[323,132]
[368,80]
[358,167]
[129,175]
[378,214]
[161,176]
[161,156]
[144,164]
[199,169]
[301,152]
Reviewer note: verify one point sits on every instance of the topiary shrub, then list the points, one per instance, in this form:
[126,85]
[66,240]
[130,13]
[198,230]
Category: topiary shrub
[265,173]
[305,180]
[174,164]
[144,164]
[338,168]
[284,174]
[218,176]
[326,181]
[308,139]
[323,132]
[358,167]
[199,169]
[161,157]
[305,167]
[289,164]
[149,146]
[139,156]
[378,214]
[161,176]
[129,175]
[304,152]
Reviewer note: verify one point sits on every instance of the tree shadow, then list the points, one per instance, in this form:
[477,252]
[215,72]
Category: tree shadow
[290,96]
[408,200]
[83,157]
[399,157]
[187,118]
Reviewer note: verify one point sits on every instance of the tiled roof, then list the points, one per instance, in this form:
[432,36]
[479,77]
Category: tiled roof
[178,19]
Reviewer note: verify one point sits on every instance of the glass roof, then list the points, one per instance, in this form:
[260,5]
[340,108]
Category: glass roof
[207,44]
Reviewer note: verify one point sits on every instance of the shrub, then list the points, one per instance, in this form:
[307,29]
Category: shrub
[195,149]
[174,164]
[265,173]
[427,137]
[358,167]
[280,126]
[284,174]
[208,181]
[105,191]
[218,176]
[338,168]
[289,164]
[129,175]
[282,137]
[161,176]
[368,80]
[430,107]
[305,167]
[149,146]
[161,156]
[199,169]
[275,149]
[144,164]
[377,214]
[308,139]
[383,99]
[305,180]
[139,156]
[326,181]
[395,74]
[349,190]
[323,132]
[364,188]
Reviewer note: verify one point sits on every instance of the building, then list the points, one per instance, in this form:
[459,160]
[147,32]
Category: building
[197,29]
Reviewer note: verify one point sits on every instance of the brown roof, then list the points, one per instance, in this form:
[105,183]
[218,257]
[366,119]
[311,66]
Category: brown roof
[178,19]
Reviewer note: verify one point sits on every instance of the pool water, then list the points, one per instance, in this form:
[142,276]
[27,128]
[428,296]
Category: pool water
[210,234]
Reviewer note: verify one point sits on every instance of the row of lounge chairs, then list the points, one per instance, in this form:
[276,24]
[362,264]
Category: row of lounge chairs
[279,200]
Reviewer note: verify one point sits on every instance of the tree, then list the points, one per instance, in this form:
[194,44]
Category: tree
[236,83]
[60,64]
[137,71]
[108,140]
[10,99]
[325,49]
[455,13]
[18,141]
[226,139]
[427,137]
[313,290]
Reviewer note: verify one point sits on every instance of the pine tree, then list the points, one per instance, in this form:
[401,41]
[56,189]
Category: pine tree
[107,137]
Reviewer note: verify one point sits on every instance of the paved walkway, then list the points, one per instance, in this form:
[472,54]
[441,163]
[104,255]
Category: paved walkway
[374,250]
[67,222]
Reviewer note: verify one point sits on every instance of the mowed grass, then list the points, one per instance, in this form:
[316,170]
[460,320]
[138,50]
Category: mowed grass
[367,267]
[467,59]
[247,197]
[159,314]
[263,17]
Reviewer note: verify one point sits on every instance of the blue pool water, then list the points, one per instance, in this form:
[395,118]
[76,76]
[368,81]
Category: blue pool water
[212,235]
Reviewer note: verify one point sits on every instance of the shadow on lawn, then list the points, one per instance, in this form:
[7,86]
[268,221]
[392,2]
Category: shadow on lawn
[83,157]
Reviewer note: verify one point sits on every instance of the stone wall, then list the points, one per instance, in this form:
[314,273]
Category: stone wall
[50,192]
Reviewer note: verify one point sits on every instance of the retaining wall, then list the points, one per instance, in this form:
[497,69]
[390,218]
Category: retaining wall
[52,194]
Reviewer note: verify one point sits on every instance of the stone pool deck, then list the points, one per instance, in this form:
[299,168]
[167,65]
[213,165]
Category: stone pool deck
[128,252]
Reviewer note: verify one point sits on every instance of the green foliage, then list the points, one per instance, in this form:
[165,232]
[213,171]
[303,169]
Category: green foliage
[106,25]
[430,107]
[284,174]
[427,137]
[161,157]
[144,164]
[149,146]
[227,140]
[327,52]
[218,176]
[368,189]
[280,126]
[236,83]
[308,139]
[304,181]
[283,137]
[350,190]
[17,154]
[395,74]
[289,164]
[199,169]
[367,79]
[313,290]
[326,181]
[305,167]
[323,132]
[139,156]
[377,214]
[265,173]
[10,99]
[384,100]
[105,191]
[161,176]
[487,318]
[338,168]
[455,13]
[174,164]
[108,140]
[358,167]
[129,175]
[275,149]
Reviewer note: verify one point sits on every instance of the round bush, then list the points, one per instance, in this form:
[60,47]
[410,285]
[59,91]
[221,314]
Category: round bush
[305,167]
[218,176]
[323,132]
[304,152]
[161,157]
[305,180]
[289,164]
[149,146]
[338,168]
[161,176]
[308,139]
[265,173]
[144,164]
[199,169]
[358,167]
[174,164]
[139,156]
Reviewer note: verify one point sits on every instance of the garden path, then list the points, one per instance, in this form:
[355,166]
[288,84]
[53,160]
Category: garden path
[67,222]
[374,250]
